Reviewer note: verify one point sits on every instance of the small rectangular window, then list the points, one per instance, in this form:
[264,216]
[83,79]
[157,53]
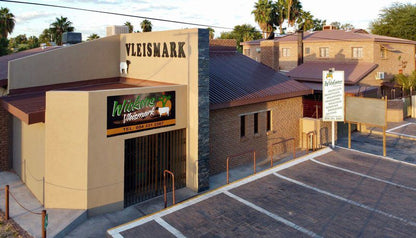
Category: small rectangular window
[285,52]
[256,123]
[383,53]
[324,52]
[242,126]
[357,52]
[269,121]
[307,50]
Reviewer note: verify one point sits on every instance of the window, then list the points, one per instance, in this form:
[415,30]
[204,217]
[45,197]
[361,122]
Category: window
[383,53]
[268,121]
[242,126]
[357,52]
[307,50]
[285,52]
[324,52]
[256,123]
[247,52]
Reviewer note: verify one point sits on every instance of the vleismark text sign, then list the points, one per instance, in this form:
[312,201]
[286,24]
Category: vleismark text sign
[138,112]
[333,95]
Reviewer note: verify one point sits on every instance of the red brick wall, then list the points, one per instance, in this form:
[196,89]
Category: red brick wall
[225,131]
[4,140]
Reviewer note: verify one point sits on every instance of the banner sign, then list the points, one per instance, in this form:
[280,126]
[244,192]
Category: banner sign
[333,95]
[139,112]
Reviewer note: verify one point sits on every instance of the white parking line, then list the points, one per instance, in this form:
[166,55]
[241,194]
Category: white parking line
[114,232]
[398,127]
[170,228]
[346,200]
[272,215]
[363,175]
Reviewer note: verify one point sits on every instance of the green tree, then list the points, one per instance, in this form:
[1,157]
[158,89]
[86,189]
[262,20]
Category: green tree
[264,16]
[280,14]
[93,36]
[318,24]
[398,20]
[130,26]
[46,36]
[347,26]
[242,33]
[146,25]
[211,33]
[7,22]
[4,49]
[294,11]
[407,82]
[58,27]
[305,21]
[33,42]
[336,24]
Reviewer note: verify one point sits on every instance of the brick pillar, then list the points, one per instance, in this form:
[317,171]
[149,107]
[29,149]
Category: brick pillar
[4,140]
[270,54]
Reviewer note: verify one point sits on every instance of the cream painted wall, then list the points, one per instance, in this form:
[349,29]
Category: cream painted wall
[89,60]
[106,155]
[172,70]
[66,157]
[84,168]
[29,155]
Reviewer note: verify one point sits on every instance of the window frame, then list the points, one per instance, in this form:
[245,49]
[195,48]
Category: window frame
[285,52]
[357,52]
[326,49]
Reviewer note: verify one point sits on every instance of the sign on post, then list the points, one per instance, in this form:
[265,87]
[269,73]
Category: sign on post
[333,98]
[333,95]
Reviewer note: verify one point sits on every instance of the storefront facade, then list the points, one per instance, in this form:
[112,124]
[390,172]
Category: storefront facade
[92,119]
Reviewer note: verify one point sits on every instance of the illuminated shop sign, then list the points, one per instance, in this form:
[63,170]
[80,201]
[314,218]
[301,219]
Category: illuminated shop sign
[139,112]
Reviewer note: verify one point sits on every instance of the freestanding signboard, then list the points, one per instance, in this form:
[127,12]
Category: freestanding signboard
[333,95]
[333,98]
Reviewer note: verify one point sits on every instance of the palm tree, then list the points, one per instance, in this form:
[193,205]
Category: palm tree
[263,15]
[211,33]
[129,25]
[93,36]
[60,26]
[7,22]
[279,9]
[305,21]
[294,11]
[146,25]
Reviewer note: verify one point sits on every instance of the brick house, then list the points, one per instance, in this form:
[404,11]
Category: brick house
[251,105]
[369,61]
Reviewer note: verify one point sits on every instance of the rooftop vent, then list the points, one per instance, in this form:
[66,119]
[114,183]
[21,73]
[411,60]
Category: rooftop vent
[71,37]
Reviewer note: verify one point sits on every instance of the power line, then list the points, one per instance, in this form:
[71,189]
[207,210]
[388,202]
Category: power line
[115,13]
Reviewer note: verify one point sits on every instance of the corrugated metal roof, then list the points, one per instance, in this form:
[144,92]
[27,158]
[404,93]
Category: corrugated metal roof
[312,71]
[237,80]
[353,89]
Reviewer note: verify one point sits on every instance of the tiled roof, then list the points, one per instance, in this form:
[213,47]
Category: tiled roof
[237,80]
[312,71]
[4,60]
[339,35]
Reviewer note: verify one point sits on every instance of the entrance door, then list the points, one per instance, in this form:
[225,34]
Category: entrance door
[145,160]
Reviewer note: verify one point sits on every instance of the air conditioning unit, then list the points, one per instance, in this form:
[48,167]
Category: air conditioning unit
[380,75]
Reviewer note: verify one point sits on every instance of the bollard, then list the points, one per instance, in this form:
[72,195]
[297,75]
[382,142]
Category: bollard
[7,201]
[44,223]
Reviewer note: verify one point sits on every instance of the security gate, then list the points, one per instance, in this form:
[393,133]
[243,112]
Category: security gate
[145,160]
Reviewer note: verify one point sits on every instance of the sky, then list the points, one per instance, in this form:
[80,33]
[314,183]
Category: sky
[32,20]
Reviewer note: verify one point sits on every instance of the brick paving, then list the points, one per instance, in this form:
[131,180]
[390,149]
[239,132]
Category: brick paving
[363,196]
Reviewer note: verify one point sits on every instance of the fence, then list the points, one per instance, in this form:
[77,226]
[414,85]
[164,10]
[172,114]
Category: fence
[280,142]
[43,214]
[164,187]
[237,155]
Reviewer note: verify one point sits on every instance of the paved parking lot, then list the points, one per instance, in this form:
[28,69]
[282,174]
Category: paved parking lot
[339,193]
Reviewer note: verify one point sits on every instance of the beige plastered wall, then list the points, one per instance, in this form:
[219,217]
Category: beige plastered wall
[322,132]
[171,70]
[28,155]
[84,168]
[89,60]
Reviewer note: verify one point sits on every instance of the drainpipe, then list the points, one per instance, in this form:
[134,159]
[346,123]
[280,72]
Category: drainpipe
[300,47]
